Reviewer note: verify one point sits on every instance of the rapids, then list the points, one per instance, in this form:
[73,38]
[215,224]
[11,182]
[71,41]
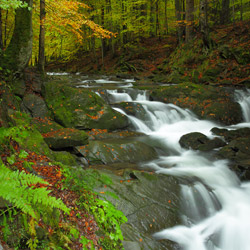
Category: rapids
[215,204]
[215,207]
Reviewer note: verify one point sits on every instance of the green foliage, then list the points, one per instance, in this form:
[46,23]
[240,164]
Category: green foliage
[86,243]
[110,219]
[14,4]
[16,188]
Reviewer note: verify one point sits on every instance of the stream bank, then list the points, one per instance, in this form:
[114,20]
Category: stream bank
[86,132]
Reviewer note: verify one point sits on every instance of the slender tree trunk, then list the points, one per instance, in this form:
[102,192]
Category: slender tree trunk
[190,20]
[18,53]
[204,24]
[151,19]
[225,12]
[1,31]
[166,18]
[241,10]
[157,22]
[178,10]
[233,9]
[5,30]
[41,56]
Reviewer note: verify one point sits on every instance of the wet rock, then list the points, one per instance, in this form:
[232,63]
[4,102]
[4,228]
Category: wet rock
[205,101]
[132,108]
[36,106]
[117,151]
[149,201]
[230,135]
[238,152]
[199,141]
[81,108]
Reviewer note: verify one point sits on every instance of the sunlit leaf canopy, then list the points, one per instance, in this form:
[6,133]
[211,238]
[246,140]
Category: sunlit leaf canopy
[73,25]
[14,4]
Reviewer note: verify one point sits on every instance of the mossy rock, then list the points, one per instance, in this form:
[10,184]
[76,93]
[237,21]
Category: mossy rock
[65,157]
[19,87]
[45,125]
[207,102]
[117,151]
[81,108]
[35,143]
[65,138]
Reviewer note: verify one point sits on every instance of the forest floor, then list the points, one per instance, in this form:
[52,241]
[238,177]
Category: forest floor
[226,62]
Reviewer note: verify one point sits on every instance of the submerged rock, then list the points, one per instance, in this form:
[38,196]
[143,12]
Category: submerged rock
[81,108]
[207,102]
[149,201]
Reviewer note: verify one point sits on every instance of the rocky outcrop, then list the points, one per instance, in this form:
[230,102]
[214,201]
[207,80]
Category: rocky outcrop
[150,203]
[81,108]
[206,102]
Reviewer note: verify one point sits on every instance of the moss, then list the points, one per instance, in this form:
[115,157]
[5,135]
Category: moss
[80,108]
[35,143]
[65,157]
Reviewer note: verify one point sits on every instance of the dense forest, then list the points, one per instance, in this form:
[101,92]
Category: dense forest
[59,140]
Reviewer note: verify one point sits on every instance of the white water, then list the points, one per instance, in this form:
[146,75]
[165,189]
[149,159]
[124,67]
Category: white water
[216,207]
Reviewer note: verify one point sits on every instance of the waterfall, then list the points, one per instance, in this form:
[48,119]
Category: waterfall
[243,98]
[216,205]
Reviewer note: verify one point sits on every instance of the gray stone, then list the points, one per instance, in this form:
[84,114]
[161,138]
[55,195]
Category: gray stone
[149,201]
[117,151]
[36,106]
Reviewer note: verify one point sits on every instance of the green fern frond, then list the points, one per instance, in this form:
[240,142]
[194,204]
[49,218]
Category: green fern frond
[16,189]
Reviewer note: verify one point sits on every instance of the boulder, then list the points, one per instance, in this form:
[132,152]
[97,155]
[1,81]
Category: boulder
[81,108]
[19,87]
[117,151]
[36,106]
[199,141]
[207,102]
[230,135]
[65,138]
[150,203]
[238,152]
[45,125]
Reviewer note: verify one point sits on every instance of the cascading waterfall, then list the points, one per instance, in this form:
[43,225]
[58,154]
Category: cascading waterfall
[243,97]
[216,205]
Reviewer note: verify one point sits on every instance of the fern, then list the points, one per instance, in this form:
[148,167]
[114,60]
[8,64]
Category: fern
[16,189]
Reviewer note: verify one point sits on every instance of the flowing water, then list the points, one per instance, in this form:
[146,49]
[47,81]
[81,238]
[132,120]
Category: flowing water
[215,204]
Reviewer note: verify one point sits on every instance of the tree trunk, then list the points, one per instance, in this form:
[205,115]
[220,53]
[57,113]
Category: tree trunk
[190,20]
[241,10]
[1,31]
[166,18]
[204,24]
[225,12]
[19,51]
[179,28]
[41,56]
